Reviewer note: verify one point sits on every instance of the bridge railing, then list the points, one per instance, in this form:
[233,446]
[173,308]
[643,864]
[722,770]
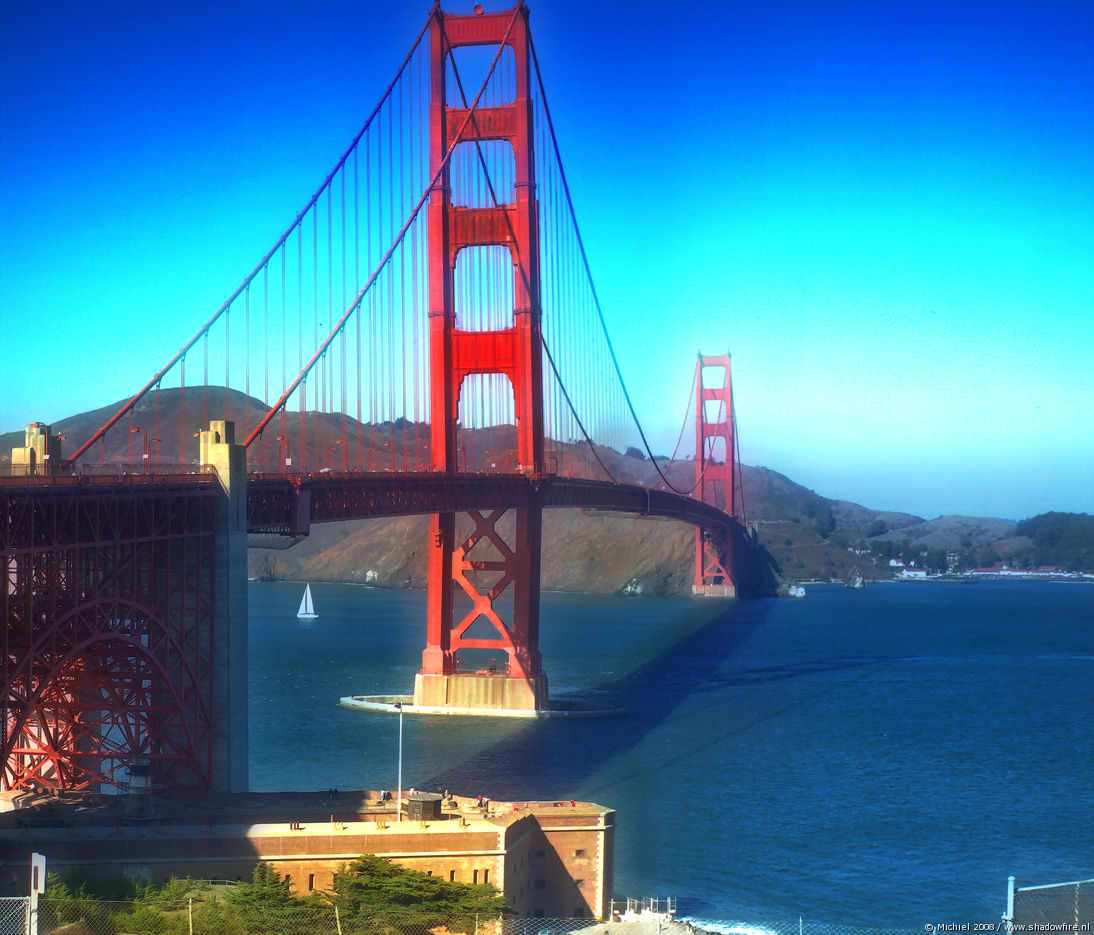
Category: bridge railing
[125,472]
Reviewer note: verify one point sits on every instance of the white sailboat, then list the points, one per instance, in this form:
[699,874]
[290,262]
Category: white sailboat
[307,608]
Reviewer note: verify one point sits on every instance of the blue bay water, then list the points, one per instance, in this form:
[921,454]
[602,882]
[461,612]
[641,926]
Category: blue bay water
[883,757]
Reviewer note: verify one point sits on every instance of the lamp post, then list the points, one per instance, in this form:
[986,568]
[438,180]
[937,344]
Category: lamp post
[287,449]
[399,793]
[155,451]
[145,456]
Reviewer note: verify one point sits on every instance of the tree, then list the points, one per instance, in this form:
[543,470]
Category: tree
[267,905]
[633,452]
[821,513]
[1065,539]
[935,560]
[376,889]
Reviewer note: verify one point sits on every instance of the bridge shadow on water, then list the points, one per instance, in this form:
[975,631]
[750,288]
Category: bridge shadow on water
[551,758]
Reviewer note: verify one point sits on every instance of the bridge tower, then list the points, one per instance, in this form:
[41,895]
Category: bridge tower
[715,473]
[496,560]
[124,642]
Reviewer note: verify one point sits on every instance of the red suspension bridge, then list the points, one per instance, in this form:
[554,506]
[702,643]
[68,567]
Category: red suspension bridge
[424,338]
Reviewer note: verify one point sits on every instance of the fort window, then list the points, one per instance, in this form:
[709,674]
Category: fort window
[451,876]
[311,882]
[580,884]
[474,876]
[486,876]
[580,852]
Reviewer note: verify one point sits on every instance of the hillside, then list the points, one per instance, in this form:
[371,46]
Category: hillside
[808,535]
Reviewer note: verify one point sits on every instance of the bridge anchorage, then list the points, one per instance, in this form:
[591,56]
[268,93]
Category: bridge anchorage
[469,379]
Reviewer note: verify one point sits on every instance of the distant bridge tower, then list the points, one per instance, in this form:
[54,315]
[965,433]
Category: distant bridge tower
[715,467]
[489,561]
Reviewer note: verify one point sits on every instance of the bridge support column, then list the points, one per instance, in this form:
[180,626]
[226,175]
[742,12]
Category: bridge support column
[40,455]
[488,562]
[218,449]
[479,561]
[715,474]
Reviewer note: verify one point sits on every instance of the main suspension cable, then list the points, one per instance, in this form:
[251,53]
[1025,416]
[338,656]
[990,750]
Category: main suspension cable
[322,349]
[592,285]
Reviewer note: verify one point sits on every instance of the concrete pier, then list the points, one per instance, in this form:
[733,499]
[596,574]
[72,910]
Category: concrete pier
[481,690]
[385,704]
[40,455]
[217,447]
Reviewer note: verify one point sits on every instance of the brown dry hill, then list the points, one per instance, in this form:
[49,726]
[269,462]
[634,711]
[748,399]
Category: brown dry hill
[808,536]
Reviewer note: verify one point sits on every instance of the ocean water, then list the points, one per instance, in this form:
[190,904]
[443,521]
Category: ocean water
[884,757]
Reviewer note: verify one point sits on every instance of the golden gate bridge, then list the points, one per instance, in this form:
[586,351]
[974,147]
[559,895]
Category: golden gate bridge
[424,338]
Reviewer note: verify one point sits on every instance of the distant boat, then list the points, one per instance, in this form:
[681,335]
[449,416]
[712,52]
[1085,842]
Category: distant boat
[307,608]
[796,590]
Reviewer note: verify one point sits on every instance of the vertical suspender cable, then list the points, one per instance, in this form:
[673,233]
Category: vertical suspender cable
[205,381]
[402,266]
[227,344]
[327,366]
[302,454]
[183,433]
[247,361]
[356,288]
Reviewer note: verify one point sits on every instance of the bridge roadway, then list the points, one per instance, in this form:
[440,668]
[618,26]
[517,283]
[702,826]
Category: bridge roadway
[288,504]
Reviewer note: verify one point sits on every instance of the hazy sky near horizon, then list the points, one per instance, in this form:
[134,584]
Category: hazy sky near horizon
[883,210]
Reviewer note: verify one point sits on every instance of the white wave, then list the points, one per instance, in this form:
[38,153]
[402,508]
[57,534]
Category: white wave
[728,928]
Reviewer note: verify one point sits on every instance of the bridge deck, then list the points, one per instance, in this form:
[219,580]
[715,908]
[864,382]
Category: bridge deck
[287,504]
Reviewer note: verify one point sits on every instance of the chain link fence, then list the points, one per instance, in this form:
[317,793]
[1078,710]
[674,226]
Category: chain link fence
[216,909]
[1057,907]
[13,914]
[216,917]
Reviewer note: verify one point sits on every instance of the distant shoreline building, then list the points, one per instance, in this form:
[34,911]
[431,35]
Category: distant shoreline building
[1041,571]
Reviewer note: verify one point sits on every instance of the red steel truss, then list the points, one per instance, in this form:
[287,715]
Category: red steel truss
[486,563]
[107,654]
[715,464]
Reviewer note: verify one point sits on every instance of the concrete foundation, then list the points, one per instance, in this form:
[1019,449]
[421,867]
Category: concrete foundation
[714,590]
[471,690]
[230,747]
[40,455]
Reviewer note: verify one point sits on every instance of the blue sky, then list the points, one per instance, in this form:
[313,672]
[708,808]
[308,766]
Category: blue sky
[885,211]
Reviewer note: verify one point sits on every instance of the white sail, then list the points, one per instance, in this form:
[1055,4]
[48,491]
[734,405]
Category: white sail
[307,609]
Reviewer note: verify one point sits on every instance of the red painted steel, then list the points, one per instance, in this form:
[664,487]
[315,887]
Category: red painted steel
[108,646]
[485,564]
[289,505]
[714,469]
